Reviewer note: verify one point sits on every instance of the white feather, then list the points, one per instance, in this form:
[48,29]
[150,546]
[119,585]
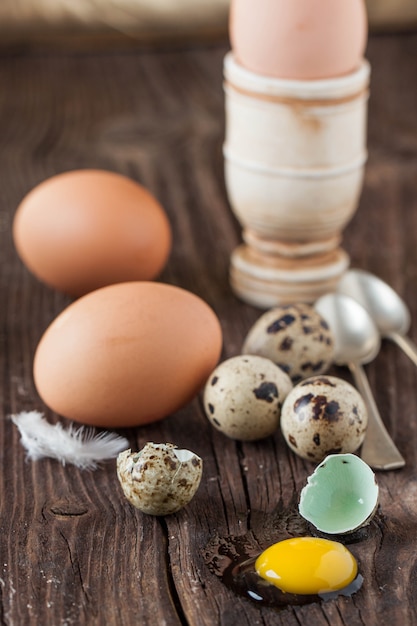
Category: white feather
[80,446]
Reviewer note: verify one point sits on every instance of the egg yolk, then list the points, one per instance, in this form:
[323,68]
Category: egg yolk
[307,565]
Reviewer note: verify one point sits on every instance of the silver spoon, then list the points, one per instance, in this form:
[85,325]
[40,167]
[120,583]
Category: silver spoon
[357,342]
[384,305]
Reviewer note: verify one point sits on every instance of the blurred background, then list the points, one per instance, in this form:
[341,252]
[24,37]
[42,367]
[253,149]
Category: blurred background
[23,21]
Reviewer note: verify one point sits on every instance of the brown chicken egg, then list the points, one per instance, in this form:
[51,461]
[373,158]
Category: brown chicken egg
[85,229]
[127,354]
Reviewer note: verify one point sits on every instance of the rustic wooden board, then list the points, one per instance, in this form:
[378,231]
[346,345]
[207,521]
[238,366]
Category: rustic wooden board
[72,550]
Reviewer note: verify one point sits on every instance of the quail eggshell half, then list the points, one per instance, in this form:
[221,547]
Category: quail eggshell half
[340,496]
[323,415]
[244,395]
[160,479]
[127,354]
[295,337]
[84,229]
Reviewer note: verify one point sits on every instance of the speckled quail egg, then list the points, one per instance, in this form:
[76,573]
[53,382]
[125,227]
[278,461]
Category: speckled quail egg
[244,395]
[323,415]
[160,479]
[295,337]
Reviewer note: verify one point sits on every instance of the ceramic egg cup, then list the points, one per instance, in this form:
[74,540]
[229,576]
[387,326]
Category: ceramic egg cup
[294,157]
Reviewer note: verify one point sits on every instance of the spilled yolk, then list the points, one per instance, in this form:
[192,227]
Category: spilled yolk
[307,565]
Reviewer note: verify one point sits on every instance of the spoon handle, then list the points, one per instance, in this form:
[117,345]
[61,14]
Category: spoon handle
[406,345]
[378,449]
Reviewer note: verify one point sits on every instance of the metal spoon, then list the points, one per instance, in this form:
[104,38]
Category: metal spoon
[357,342]
[384,305]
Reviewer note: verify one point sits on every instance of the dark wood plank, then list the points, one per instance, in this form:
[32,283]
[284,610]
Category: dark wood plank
[72,550]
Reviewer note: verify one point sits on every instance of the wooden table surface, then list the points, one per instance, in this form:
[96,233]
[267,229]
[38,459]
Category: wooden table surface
[72,549]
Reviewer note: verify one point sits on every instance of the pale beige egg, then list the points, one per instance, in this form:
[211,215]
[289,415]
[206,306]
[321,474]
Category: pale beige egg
[298,39]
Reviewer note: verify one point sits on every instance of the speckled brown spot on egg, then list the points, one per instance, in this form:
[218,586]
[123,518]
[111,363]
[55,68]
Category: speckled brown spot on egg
[316,405]
[266,391]
[170,462]
[280,324]
[331,411]
[323,409]
[293,440]
[301,403]
[312,367]
[286,343]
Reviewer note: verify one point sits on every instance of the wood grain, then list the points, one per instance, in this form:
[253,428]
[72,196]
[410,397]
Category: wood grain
[72,549]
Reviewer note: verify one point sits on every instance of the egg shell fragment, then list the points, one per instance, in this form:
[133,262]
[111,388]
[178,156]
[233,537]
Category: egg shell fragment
[295,337]
[84,229]
[160,479]
[323,415]
[340,496]
[127,354]
[244,395]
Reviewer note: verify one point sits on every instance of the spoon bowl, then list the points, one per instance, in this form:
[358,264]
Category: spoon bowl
[384,305]
[356,338]
[357,341]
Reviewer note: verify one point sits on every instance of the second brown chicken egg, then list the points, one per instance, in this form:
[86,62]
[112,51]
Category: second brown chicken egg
[84,229]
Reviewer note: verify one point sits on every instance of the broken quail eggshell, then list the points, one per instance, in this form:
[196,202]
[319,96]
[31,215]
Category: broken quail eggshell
[295,337]
[160,479]
[244,395]
[340,496]
[323,415]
